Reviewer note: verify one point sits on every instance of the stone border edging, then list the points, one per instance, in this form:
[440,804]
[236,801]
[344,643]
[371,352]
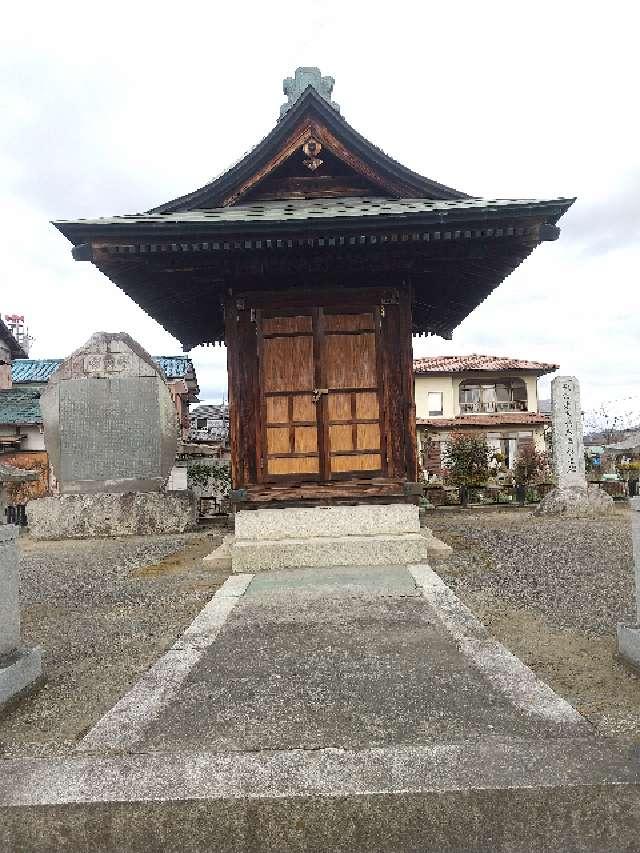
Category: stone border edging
[504,670]
[124,725]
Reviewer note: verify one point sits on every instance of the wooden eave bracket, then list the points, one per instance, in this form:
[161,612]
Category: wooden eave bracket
[82,252]
[548,232]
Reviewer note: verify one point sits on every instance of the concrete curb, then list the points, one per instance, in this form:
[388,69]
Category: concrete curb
[566,794]
[20,674]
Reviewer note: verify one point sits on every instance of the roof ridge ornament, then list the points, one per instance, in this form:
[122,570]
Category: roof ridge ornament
[306,76]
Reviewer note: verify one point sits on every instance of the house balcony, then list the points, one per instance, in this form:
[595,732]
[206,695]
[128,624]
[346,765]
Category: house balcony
[492,407]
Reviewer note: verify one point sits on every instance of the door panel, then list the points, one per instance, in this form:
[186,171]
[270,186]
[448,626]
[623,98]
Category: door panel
[294,467]
[352,377]
[289,415]
[362,462]
[288,363]
[350,360]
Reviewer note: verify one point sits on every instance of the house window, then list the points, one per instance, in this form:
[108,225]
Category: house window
[506,396]
[434,403]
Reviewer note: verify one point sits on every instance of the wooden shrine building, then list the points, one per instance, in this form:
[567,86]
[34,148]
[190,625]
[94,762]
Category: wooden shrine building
[315,259]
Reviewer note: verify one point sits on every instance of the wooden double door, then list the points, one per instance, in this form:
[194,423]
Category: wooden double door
[321,400]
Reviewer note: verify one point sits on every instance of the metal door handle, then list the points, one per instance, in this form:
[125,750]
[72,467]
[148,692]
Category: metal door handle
[318,392]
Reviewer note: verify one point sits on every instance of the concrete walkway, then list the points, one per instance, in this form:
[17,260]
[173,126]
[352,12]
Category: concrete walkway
[343,659]
[304,701]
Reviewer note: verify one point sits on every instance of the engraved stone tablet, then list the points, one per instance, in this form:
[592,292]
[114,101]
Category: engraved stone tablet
[573,497]
[109,420]
[566,422]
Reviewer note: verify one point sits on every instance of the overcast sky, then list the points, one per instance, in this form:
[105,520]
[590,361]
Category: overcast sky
[110,109]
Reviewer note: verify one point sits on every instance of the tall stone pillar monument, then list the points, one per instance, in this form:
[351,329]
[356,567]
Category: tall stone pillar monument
[573,496]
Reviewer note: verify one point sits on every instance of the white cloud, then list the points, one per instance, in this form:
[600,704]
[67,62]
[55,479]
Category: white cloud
[114,112]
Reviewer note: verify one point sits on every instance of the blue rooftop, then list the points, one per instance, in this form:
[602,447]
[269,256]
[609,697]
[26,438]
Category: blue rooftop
[174,366]
[38,370]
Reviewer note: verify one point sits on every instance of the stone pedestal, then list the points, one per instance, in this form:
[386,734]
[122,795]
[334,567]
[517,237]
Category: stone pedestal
[628,640]
[98,515]
[20,667]
[316,537]
[588,501]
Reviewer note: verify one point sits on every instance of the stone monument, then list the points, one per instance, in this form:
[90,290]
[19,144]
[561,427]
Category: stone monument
[629,635]
[573,496]
[20,667]
[110,431]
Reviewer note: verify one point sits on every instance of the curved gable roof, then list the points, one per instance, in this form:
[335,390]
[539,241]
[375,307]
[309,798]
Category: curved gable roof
[310,115]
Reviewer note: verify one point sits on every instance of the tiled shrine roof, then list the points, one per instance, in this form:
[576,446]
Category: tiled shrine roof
[289,211]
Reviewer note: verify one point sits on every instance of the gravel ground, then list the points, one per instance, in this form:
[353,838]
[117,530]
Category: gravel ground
[104,610]
[552,590]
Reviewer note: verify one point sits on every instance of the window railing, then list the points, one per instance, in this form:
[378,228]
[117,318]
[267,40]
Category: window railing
[492,406]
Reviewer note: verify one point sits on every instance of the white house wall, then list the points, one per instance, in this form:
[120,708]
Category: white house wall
[443,384]
[33,438]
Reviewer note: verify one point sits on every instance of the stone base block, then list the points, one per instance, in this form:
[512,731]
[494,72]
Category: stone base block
[323,551]
[436,548]
[331,521]
[590,502]
[629,644]
[220,557]
[128,514]
[19,672]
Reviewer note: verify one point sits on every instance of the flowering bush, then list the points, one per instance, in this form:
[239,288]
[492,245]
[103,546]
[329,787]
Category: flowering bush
[467,459]
[530,464]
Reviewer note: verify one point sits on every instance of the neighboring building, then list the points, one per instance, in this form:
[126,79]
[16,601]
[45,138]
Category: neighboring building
[183,384]
[21,435]
[210,423]
[15,324]
[10,349]
[492,394]
[20,419]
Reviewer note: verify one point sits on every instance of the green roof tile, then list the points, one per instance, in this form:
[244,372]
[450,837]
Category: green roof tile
[20,406]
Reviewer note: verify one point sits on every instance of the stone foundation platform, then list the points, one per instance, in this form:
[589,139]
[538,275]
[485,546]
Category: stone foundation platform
[575,502]
[324,536]
[20,673]
[97,515]
[20,666]
[628,642]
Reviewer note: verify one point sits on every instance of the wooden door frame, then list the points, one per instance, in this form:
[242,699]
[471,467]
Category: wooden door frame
[317,314]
